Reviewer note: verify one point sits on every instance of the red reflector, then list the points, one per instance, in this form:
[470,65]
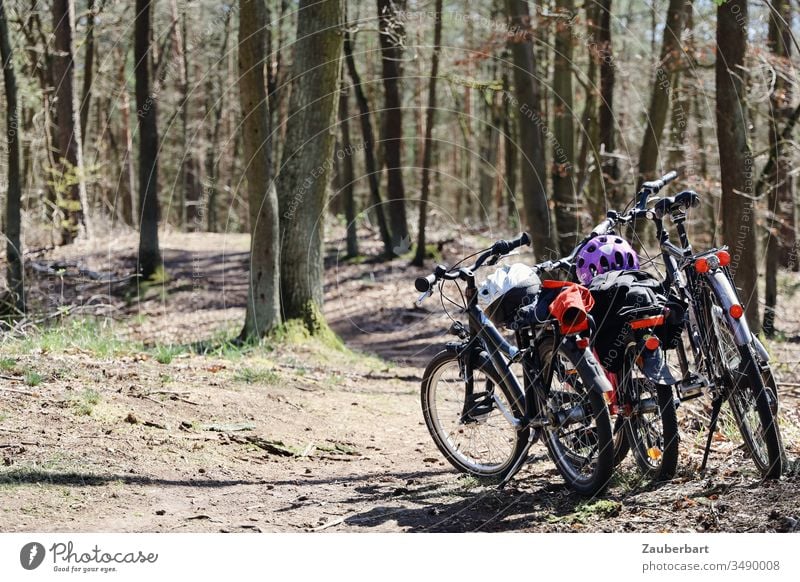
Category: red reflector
[701,266]
[724,258]
[652,343]
[736,311]
[647,322]
[582,343]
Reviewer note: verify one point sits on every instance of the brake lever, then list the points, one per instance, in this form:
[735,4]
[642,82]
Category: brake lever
[424,296]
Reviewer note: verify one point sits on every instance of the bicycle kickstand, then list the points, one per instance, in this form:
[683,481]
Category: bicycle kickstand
[716,405]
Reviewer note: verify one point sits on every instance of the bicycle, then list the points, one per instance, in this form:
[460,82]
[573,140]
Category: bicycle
[642,398]
[480,417]
[731,362]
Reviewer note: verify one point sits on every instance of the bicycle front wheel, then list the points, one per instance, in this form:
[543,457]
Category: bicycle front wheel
[471,428]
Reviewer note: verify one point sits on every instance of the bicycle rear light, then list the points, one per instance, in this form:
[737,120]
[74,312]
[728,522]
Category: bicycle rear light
[736,311]
[724,258]
[701,265]
[652,343]
[647,322]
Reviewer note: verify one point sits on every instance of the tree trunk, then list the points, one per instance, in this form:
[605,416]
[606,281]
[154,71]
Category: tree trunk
[780,199]
[88,68]
[563,168]
[606,121]
[373,172]
[527,103]
[347,174]
[71,185]
[510,152]
[263,300]
[430,119]
[736,161]
[392,37]
[147,111]
[668,67]
[15,276]
[307,158]
[128,173]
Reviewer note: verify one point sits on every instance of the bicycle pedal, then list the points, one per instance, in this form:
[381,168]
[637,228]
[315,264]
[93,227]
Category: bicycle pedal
[691,387]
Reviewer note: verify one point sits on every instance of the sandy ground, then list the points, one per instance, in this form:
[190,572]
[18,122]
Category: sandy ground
[118,435]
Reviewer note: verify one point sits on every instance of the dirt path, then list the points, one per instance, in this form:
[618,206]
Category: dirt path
[112,436]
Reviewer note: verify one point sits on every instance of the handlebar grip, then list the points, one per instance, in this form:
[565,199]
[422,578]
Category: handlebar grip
[503,247]
[667,178]
[603,227]
[425,284]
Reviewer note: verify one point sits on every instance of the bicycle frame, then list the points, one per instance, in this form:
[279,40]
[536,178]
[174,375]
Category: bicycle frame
[486,342]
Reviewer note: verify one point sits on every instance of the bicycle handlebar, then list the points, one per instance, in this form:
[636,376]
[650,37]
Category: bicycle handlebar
[649,188]
[501,247]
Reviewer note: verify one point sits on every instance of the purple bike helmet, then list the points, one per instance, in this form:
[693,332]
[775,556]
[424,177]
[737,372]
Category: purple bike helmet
[602,254]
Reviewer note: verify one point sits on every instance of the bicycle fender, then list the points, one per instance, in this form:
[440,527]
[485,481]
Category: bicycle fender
[761,351]
[727,295]
[588,366]
[654,367]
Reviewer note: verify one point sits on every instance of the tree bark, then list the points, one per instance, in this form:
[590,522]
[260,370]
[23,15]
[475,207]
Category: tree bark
[606,120]
[736,161]
[71,188]
[15,275]
[147,112]
[307,158]
[392,35]
[373,172]
[526,101]
[668,67]
[563,167]
[430,119]
[263,300]
[510,152]
[88,68]
[346,174]
[780,199]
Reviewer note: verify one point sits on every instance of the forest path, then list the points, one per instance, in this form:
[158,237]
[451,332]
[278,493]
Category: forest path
[100,433]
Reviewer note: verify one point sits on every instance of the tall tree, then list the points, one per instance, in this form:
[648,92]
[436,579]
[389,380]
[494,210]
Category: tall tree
[392,37]
[307,158]
[430,119]
[663,85]
[71,187]
[88,67]
[526,100]
[13,220]
[780,199]
[563,169]
[263,299]
[147,111]
[735,157]
[368,135]
[346,174]
[605,53]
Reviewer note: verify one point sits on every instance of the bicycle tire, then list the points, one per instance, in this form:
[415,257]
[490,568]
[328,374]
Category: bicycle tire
[442,409]
[597,436]
[654,444]
[747,396]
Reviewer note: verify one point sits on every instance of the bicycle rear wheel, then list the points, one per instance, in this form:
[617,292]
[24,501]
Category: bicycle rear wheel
[748,397]
[651,428]
[472,431]
[578,438]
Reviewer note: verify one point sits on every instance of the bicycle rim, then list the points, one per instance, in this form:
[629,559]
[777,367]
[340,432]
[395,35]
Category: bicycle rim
[476,439]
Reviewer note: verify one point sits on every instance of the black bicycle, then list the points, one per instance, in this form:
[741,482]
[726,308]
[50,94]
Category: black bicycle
[634,357]
[480,416]
[729,361]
